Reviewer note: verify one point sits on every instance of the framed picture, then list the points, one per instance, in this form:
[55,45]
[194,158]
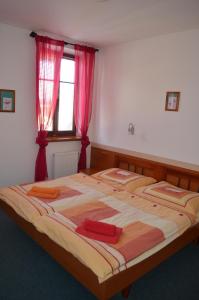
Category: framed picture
[172,101]
[7,100]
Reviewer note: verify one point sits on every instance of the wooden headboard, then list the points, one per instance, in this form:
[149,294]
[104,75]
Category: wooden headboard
[177,175]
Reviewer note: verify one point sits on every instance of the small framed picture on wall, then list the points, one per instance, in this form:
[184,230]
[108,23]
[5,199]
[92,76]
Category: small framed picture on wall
[7,100]
[172,101]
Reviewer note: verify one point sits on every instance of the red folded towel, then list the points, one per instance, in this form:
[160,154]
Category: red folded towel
[99,227]
[100,237]
[100,231]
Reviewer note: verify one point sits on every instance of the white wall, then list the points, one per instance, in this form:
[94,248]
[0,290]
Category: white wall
[18,130]
[133,79]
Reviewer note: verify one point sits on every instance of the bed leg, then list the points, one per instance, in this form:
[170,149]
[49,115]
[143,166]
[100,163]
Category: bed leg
[126,291]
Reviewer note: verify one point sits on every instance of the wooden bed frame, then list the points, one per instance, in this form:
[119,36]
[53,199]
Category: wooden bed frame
[177,173]
[182,177]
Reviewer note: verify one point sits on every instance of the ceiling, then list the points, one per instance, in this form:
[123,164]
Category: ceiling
[102,22]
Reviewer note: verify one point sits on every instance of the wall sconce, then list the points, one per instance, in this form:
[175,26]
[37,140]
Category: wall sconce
[131,129]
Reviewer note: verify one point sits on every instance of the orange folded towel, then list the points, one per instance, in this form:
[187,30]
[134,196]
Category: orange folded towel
[42,192]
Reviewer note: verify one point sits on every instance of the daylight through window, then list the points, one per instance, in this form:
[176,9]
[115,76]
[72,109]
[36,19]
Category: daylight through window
[63,122]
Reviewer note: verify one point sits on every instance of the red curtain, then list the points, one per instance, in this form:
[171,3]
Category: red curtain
[48,60]
[84,71]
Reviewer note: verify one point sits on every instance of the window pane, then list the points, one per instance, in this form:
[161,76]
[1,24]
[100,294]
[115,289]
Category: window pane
[66,96]
[67,70]
[50,127]
[46,69]
[45,92]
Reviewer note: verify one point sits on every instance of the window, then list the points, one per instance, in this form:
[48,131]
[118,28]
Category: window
[63,122]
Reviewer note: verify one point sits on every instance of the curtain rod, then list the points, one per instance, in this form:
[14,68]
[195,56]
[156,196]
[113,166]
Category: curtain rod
[34,34]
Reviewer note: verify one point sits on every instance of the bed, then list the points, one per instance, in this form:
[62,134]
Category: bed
[107,286]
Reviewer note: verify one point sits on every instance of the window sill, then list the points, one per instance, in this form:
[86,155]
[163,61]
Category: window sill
[52,139]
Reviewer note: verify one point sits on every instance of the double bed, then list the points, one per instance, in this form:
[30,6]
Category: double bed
[157,219]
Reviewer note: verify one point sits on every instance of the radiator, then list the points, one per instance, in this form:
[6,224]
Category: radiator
[65,163]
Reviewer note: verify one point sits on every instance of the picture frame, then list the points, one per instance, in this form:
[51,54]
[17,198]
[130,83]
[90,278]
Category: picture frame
[7,100]
[172,101]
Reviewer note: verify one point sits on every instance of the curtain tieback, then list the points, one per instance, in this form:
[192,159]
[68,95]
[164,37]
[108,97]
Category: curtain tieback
[85,141]
[41,138]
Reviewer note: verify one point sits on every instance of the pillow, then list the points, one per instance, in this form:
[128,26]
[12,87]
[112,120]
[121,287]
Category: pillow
[173,196]
[123,179]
